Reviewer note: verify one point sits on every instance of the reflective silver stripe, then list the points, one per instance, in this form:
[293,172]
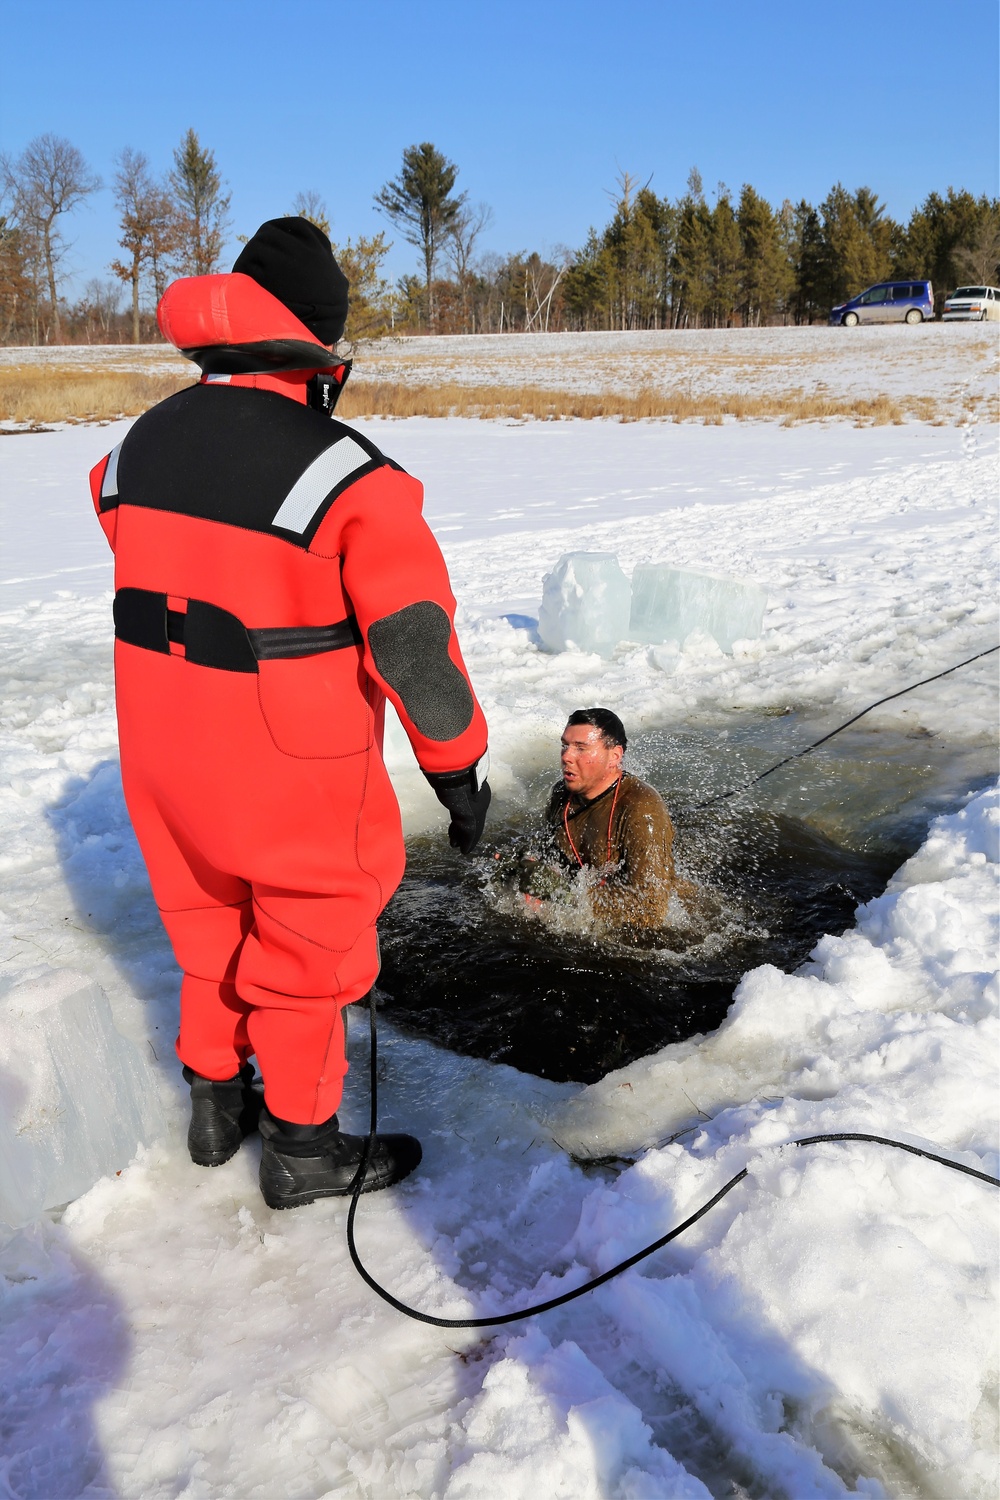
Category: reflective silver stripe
[323,474]
[482,768]
[109,484]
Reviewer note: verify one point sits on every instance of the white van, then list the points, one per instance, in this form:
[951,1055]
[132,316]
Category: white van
[978,304]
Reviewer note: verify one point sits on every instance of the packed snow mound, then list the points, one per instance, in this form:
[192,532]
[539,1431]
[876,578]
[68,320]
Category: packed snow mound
[929,944]
[548,1423]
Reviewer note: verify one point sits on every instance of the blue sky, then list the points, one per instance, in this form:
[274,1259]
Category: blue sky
[539,105]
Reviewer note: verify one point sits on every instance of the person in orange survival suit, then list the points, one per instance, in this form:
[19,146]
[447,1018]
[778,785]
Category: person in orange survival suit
[274,583]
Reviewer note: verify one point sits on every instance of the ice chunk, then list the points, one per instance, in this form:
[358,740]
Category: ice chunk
[668,603]
[585,604]
[76,1097]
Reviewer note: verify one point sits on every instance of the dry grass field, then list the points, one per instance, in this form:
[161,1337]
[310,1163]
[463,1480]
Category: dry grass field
[37,396]
[32,398]
[379,398]
[938,374]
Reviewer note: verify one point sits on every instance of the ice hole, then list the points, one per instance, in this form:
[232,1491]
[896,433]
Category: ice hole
[463,964]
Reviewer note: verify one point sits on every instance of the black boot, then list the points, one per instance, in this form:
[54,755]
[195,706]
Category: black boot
[222,1113]
[300,1163]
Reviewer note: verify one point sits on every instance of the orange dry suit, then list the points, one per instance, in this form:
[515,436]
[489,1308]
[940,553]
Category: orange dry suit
[274,583]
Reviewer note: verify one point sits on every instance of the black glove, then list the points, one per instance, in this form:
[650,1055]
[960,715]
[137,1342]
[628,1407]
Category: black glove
[466,794]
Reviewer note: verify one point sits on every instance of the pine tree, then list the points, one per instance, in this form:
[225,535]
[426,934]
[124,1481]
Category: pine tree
[765,274]
[372,309]
[420,202]
[725,253]
[858,241]
[15,283]
[148,226]
[587,285]
[937,233]
[633,259]
[692,265]
[203,208]
[810,301]
[662,219]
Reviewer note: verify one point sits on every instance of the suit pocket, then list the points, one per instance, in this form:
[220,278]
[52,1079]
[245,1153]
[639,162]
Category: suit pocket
[317,707]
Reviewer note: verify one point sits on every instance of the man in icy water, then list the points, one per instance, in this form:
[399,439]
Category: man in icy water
[604,820]
[275,583]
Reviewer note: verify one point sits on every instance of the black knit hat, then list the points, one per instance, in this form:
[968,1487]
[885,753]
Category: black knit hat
[292,259]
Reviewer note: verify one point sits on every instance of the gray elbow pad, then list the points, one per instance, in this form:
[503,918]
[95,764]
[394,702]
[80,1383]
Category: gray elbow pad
[410,651]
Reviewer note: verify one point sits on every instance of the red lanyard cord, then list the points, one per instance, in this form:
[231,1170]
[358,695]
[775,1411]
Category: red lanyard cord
[569,836]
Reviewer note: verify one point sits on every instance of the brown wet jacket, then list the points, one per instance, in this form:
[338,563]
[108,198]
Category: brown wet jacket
[631,847]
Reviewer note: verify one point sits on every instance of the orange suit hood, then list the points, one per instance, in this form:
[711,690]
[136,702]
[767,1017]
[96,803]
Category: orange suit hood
[229,325]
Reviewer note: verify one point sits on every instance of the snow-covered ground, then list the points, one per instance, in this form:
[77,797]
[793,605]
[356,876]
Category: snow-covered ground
[829,1328]
[950,365]
[894,360]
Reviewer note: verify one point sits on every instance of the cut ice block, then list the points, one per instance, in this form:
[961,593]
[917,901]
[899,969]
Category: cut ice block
[668,603]
[585,604]
[76,1097]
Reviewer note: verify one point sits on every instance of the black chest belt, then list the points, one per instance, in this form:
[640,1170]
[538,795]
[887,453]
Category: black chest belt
[212,637]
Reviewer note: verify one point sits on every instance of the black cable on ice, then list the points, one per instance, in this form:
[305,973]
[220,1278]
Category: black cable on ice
[724,796]
[497,1319]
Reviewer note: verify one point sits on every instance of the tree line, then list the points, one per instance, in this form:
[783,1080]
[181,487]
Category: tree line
[176,226]
[657,263]
[661,263]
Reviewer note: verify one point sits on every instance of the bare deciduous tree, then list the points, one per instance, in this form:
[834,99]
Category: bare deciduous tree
[469,223]
[97,310]
[541,281]
[148,223]
[981,257]
[310,205]
[49,179]
[17,299]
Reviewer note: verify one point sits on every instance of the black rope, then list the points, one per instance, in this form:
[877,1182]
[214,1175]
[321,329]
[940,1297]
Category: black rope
[540,1307]
[724,796]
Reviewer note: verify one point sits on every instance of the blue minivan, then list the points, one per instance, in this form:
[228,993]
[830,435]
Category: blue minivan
[887,302]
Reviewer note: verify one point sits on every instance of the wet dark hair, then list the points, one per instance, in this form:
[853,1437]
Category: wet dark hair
[611,727]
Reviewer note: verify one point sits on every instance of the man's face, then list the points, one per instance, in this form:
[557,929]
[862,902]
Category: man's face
[588,764]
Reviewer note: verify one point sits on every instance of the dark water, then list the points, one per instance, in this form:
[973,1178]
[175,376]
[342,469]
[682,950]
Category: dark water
[464,966]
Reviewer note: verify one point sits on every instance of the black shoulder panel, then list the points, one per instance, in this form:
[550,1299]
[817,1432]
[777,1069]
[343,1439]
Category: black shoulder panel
[246,458]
